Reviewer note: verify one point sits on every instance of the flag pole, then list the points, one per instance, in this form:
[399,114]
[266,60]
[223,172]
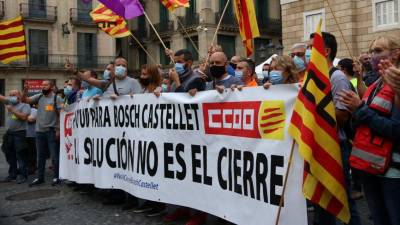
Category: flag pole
[218,26]
[340,30]
[187,34]
[281,201]
[144,49]
[158,35]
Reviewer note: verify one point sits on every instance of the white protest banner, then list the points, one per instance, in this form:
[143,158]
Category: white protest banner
[225,154]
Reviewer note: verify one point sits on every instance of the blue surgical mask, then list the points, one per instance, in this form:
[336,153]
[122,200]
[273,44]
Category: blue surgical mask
[180,68]
[164,87]
[308,55]
[68,91]
[239,74]
[12,100]
[106,75]
[276,77]
[120,71]
[265,74]
[299,62]
[85,85]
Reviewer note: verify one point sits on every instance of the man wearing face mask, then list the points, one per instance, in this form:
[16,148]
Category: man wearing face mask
[119,83]
[232,65]
[15,140]
[245,71]
[71,91]
[298,54]
[218,70]
[107,71]
[183,77]
[89,90]
[47,129]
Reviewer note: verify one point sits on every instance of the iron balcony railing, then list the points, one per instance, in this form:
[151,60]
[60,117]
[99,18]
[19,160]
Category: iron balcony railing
[165,29]
[57,61]
[2,9]
[81,17]
[270,26]
[39,13]
[229,22]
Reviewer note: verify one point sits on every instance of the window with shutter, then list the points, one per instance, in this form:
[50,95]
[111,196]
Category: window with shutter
[38,47]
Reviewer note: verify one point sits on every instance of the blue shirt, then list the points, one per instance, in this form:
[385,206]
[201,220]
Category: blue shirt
[230,70]
[91,92]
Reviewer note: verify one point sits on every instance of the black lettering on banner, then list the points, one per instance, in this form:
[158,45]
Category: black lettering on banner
[110,162]
[162,108]
[188,117]
[150,119]
[207,179]
[155,123]
[87,146]
[324,102]
[276,180]
[229,169]
[152,149]
[141,164]
[237,171]
[169,118]
[115,116]
[222,182]
[123,151]
[93,115]
[127,117]
[248,167]
[175,125]
[168,160]
[195,108]
[99,152]
[107,119]
[261,176]
[144,124]
[131,155]
[180,148]
[196,163]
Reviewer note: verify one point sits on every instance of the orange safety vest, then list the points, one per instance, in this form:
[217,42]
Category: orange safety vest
[371,152]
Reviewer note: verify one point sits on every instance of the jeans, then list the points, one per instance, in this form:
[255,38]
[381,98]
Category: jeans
[383,198]
[16,153]
[325,218]
[31,154]
[46,142]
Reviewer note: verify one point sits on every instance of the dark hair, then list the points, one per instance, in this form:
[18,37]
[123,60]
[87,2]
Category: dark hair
[250,64]
[51,82]
[330,42]
[187,55]
[93,74]
[154,74]
[76,80]
[347,65]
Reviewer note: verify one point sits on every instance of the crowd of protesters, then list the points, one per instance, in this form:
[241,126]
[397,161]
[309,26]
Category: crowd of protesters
[365,92]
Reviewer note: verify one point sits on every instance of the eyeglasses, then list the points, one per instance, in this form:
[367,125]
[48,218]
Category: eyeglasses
[298,54]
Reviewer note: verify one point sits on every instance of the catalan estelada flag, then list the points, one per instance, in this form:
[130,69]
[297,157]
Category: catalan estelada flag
[247,20]
[174,4]
[314,127]
[12,40]
[109,22]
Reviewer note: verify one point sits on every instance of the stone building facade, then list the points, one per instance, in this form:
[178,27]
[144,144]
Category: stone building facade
[360,21]
[55,30]
[200,21]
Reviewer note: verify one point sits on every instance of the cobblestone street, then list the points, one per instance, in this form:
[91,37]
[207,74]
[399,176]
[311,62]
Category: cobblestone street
[47,205]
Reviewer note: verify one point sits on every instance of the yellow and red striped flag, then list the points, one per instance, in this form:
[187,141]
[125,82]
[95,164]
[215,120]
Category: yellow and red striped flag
[174,4]
[109,22]
[314,127]
[247,20]
[12,40]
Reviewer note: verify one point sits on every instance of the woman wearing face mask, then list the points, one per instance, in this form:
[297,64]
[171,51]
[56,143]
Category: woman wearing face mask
[376,146]
[150,79]
[283,72]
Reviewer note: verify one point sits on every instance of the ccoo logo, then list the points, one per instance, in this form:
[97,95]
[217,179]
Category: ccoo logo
[68,123]
[257,119]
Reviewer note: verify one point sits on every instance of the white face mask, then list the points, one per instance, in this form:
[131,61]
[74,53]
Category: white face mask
[120,71]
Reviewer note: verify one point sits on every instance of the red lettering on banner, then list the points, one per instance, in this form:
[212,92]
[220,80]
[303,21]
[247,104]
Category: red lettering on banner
[238,119]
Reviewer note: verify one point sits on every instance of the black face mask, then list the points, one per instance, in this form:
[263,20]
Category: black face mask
[217,71]
[46,92]
[144,82]
[233,65]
